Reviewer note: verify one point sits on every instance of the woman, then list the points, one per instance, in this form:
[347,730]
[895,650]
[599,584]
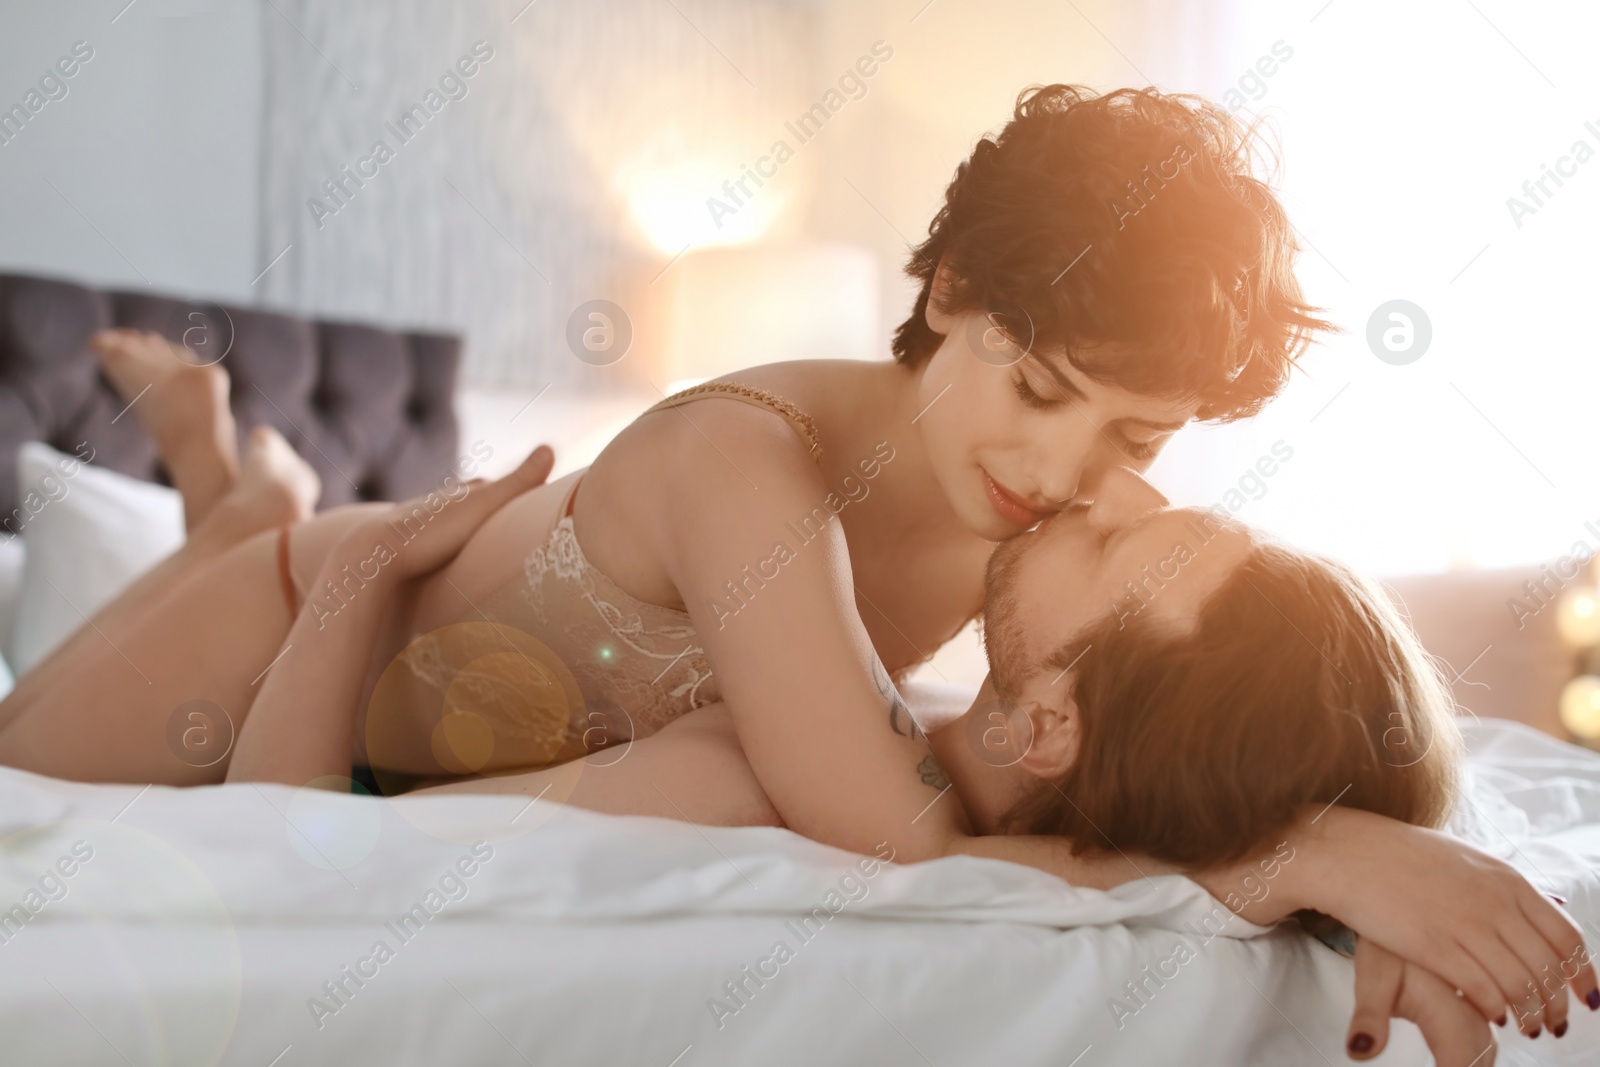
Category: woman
[1258,680]
[1101,273]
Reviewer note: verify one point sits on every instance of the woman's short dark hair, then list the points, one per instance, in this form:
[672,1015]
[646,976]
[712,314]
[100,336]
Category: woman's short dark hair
[1131,217]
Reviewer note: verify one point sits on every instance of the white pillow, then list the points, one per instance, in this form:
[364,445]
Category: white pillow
[88,532]
[7,683]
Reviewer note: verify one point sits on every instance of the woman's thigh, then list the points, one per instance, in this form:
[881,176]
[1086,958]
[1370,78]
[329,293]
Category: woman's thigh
[161,699]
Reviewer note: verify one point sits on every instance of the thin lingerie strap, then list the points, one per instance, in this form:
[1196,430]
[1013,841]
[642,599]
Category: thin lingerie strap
[285,575]
[749,394]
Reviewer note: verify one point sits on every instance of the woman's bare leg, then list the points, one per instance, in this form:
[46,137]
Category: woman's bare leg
[275,488]
[97,707]
[183,405]
[103,710]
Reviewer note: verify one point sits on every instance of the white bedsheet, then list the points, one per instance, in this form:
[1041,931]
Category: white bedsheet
[200,926]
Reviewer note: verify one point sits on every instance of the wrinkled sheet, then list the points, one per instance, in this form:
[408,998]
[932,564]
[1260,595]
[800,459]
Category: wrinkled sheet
[236,924]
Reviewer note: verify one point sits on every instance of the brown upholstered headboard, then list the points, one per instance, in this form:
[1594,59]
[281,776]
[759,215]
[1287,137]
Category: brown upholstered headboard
[372,410]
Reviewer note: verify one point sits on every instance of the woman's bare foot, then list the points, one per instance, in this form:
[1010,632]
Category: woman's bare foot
[275,488]
[183,406]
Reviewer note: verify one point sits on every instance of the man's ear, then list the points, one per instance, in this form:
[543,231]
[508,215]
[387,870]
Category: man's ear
[939,321]
[1055,737]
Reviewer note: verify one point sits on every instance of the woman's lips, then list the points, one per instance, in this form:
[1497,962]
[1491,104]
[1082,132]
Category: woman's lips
[1010,507]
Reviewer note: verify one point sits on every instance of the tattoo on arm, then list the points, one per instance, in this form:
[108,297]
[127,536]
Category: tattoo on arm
[897,706]
[933,774]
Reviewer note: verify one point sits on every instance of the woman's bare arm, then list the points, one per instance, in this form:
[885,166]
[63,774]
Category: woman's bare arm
[692,769]
[797,671]
[301,725]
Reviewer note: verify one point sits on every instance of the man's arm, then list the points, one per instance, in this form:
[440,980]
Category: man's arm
[797,670]
[302,724]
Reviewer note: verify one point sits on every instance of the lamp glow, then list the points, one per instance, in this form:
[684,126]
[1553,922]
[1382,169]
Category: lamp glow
[1578,617]
[1580,706]
[669,207]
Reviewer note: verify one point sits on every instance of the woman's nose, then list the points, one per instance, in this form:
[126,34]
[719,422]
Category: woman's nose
[1121,497]
[1070,448]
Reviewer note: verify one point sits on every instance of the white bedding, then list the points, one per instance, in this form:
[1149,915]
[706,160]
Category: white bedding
[203,924]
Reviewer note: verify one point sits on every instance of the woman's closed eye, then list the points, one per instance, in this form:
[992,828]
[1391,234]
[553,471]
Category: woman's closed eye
[1139,451]
[1032,397]
[1143,451]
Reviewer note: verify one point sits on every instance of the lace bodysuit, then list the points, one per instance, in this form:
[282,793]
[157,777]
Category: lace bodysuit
[637,665]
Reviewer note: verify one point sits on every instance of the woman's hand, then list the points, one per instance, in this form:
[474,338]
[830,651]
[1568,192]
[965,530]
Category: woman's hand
[1451,909]
[1387,985]
[302,724]
[420,535]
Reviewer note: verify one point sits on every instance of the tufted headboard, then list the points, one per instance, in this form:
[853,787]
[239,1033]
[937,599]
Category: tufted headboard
[372,410]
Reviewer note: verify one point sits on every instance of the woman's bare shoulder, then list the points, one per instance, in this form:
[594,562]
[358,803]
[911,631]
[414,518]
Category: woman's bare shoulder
[690,446]
[814,385]
[690,475]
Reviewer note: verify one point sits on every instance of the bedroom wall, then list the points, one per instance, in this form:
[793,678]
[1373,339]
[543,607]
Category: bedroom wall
[536,186]
[153,153]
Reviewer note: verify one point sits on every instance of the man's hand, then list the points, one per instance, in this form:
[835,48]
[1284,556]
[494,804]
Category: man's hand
[420,535]
[1387,985]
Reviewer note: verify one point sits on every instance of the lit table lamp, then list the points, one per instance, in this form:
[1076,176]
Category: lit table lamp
[725,309]
[1578,622]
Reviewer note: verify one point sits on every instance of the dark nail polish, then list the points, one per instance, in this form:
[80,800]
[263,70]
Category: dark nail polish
[1559,1028]
[1536,1033]
[1500,1021]
[1593,1000]
[1558,899]
[1361,1043]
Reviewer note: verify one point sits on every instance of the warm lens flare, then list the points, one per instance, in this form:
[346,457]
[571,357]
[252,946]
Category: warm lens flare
[444,707]
[1578,618]
[1580,707]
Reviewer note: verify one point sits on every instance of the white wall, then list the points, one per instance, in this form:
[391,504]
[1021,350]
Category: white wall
[1405,129]
[156,144]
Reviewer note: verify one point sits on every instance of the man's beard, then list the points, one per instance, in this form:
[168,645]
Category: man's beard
[1003,638]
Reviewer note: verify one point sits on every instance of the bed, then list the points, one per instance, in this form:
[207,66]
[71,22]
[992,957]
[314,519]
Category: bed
[274,927]
[242,924]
